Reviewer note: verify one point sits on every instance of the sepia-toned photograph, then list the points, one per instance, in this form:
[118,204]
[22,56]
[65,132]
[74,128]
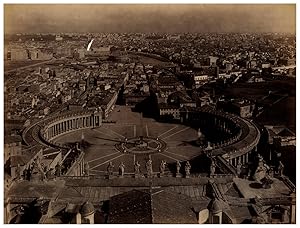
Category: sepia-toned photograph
[149,113]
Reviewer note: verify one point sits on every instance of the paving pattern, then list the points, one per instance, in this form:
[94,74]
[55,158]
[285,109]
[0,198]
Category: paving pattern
[163,141]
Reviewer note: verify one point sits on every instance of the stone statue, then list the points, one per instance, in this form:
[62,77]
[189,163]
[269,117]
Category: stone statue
[110,168]
[49,173]
[35,173]
[43,175]
[137,168]
[200,139]
[280,169]
[199,133]
[178,166]
[31,167]
[259,158]
[58,170]
[19,210]
[86,169]
[212,167]
[42,166]
[266,181]
[261,170]
[187,168]
[121,169]
[271,172]
[149,168]
[209,147]
[162,167]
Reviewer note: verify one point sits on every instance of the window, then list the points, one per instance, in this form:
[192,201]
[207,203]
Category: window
[216,219]
[276,214]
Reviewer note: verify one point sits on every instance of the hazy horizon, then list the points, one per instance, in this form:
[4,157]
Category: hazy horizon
[149,18]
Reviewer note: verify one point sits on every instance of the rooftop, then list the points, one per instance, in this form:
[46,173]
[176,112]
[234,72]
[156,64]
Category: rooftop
[248,190]
[151,206]
[12,139]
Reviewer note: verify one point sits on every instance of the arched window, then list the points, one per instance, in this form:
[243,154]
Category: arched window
[277,214]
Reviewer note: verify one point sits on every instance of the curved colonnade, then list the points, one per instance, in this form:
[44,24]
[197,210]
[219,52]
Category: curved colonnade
[242,135]
[68,122]
[44,132]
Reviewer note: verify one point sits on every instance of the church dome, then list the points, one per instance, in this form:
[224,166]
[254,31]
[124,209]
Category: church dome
[87,209]
[216,206]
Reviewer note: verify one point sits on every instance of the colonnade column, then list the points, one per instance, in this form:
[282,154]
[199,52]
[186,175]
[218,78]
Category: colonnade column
[80,122]
[97,121]
[79,169]
[82,167]
[76,123]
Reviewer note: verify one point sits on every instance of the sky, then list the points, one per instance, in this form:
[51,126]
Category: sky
[151,18]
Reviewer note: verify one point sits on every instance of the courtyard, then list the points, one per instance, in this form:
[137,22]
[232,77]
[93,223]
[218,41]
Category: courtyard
[135,138]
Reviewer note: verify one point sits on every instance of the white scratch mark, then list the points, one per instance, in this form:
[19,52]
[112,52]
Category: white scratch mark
[90,44]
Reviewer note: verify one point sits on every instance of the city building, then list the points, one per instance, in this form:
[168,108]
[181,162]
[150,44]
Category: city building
[118,133]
